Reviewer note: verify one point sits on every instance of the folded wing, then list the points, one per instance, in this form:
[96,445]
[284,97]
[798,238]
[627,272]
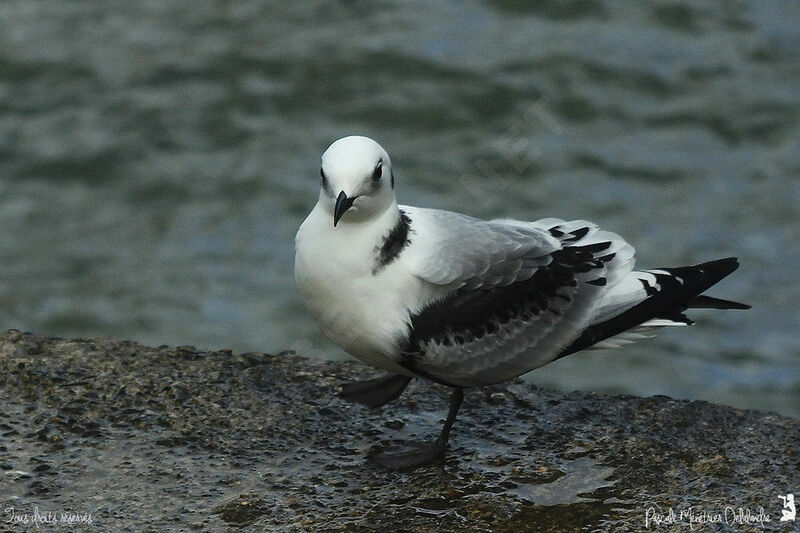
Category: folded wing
[517,293]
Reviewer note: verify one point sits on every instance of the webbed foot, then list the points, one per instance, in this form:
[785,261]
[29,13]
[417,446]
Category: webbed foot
[409,459]
[425,454]
[375,392]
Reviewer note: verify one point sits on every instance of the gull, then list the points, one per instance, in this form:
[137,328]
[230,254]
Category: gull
[464,302]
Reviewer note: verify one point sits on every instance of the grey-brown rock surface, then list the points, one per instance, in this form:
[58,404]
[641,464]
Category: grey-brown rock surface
[179,439]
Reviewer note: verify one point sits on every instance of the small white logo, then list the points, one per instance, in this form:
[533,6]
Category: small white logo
[789,511]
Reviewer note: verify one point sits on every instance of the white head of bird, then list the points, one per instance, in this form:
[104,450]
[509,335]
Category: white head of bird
[357,182]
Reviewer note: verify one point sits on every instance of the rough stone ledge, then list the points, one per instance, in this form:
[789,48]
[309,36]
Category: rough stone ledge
[181,439]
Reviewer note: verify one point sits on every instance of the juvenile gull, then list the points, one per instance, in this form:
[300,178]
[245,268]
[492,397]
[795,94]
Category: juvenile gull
[465,302]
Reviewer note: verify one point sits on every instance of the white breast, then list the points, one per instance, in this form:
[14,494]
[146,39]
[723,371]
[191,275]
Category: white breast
[365,314]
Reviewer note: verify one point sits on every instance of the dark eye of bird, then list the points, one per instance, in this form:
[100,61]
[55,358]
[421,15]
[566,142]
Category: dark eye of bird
[376,174]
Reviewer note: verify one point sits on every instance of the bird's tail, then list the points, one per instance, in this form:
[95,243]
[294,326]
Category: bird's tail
[658,297]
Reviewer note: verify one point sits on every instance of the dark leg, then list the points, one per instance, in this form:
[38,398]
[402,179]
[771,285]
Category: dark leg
[375,392]
[425,454]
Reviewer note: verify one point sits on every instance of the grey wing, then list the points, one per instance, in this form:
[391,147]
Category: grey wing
[459,251]
[488,329]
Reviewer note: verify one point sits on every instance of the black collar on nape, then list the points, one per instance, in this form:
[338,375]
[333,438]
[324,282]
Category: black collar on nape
[393,244]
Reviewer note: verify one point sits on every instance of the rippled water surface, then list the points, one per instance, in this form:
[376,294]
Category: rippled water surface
[156,158]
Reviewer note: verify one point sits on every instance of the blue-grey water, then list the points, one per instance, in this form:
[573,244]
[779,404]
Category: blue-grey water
[157,157]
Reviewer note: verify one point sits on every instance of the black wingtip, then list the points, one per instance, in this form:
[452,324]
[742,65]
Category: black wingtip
[684,286]
[704,276]
[710,272]
[707,302]
[720,267]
